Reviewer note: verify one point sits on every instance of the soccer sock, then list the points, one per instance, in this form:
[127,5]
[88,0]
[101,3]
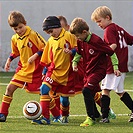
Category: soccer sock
[5,104]
[64,106]
[45,101]
[89,102]
[96,112]
[127,100]
[54,109]
[57,100]
[105,102]
[64,110]
[97,98]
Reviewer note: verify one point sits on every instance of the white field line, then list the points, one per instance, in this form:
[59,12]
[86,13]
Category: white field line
[5,84]
[19,117]
[5,77]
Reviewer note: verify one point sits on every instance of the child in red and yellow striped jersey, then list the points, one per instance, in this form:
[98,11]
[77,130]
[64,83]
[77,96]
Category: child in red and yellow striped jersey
[57,57]
[24,44]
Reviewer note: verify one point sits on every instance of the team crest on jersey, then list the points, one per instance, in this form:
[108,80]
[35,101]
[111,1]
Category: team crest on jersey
[29,44]
[91,51]
[67,44]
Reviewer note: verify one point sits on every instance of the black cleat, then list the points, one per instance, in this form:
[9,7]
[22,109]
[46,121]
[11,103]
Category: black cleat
[2,118]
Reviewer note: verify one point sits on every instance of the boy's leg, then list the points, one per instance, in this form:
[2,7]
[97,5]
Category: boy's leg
[57,100]
[97,99]
[45,102]
[54,111]
[6,101]
[64,108]
[89,104]
[105,102]
[127,100]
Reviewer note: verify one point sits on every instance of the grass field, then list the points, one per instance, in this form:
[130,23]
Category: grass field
[16,123]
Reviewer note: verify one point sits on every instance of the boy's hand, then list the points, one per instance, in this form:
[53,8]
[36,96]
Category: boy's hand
[75,68]
[32,58]
[68,51]
[7,65]
[117,73]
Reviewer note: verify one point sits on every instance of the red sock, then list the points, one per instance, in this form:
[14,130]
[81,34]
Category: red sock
[5,104]
[45,101]
[54,109]
[97,98]
[57,100]
[64,110]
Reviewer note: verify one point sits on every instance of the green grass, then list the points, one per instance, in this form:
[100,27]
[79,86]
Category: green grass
[16,123]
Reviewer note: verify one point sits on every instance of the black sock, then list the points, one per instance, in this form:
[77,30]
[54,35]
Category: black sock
[89,102]
[127,100]
[96,112]
[105,103]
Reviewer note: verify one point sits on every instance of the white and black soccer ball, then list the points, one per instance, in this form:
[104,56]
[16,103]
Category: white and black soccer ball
[32,110]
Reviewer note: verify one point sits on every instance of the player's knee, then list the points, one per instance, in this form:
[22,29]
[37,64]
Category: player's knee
[86,92]
[64,101]
[44,89]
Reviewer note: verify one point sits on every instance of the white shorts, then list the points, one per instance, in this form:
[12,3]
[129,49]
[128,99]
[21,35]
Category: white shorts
[112,82]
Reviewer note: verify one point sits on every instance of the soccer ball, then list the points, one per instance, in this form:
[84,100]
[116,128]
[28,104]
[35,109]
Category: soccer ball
[32,110]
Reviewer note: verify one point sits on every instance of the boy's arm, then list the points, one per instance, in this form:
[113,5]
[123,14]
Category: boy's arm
[115,62]
[7,65]
[75,61]
[34,56]
[68,51]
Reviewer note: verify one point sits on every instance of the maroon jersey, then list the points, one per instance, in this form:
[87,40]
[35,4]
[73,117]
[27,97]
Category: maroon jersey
[115,34]
[94,55]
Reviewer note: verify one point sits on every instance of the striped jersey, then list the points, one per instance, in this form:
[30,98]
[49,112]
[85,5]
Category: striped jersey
[115,34]
[59,62]
[24,47]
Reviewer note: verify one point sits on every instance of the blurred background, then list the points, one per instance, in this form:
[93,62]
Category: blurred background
[35,11]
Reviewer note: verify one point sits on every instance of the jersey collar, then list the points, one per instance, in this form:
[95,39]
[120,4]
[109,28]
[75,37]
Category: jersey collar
[28,29]
[88,38]
[61,34]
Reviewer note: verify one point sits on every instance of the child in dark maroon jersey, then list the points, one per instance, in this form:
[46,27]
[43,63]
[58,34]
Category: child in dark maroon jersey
[114,34]
[94,53]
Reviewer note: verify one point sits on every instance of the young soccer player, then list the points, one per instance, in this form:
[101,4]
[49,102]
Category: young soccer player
[65,103]
[24,43]
[57,57]
[114,34]
[94,52]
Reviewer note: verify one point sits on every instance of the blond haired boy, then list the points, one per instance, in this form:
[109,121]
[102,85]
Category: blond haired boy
[115,75]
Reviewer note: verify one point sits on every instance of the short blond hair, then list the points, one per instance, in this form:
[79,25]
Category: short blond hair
[102,11]
[78,25]
[15,17]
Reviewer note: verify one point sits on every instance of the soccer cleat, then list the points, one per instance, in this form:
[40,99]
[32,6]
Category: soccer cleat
[2,118]
[131,118]
[41,120]
[104,120]
[87,122]
[64,119]
[57,119]
[112,115]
